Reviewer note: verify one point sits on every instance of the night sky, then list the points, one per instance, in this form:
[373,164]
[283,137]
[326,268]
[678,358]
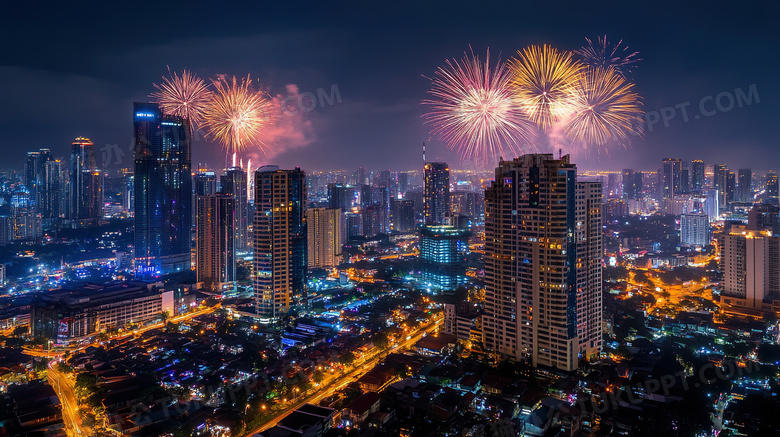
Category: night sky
[72,70]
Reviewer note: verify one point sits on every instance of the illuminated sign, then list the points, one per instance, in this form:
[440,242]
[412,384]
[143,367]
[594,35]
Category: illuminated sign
[64,327]
[144,114]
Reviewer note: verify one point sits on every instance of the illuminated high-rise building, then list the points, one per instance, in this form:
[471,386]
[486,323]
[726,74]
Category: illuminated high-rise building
[719,177]
[279,241]
[672,177]
[86,184]
[745,185]
[403,215]
[436,195]
[443,252]
[234,183]
[629,184]
[51,202]
[772,188]
[325,227]
[205,182]
[163,192]
[750,262]
[694,229]
[215,241]
[697,175]
[543,249]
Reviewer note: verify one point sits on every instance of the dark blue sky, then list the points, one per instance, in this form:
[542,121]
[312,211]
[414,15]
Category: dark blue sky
[69,69]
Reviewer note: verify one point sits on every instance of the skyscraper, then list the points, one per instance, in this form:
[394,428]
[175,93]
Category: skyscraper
[205,182]
[697,174]
[86,184]
[672,177]
[750,262]
[719,176]
[629,189]
[216,251]
[436,196]
[443,252]
[279,241]
[772,190]
[730,192]
[403,215]
[325,236]
[163,191]
[52,193]
[543,248]
[234,183]
[694,229]
[745,186]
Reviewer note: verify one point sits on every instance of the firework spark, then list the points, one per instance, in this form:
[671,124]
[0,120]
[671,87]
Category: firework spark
[236,115]
[184,96]
[604,54]
[607,109]
[544,81]
[472,108]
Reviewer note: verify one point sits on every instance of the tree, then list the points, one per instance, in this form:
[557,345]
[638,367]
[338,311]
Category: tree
[20,330]
[347,359]
[380,340]
[317,376]
[164,316]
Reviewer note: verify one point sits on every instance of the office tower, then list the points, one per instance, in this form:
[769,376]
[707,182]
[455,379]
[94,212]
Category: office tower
[639,184]
[325,237]
[354,225]
[463,203]
[403,182]
[86,184]
[772,190]
[216,242]
[629,184]
[763,217]
[234,183]
[279,241]
[744,186]
[697,174]
[750,262]
[731,189]
[711,206]
[403,215]
[443,252]
[719,172]
[386,178]
[543,248]
[365,196]
[380,201]
[694,229]
[128,193]
[31,172]
[436,195]
[205,182]
[342,196]
[685,181]
[52,192]
[163,192]
[671,177]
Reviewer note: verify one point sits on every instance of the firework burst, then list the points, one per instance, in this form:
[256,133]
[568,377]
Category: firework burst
[472,108]
[607,110]
[544,80]
[184,96]
[604,54]
[236,115]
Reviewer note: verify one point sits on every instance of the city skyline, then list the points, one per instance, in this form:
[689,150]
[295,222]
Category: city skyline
[679,70]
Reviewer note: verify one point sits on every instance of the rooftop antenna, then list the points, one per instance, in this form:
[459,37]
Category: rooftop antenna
[423,154]
[560,153]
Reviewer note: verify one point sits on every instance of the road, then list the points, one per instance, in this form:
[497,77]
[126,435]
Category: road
[361,367]
[63,386]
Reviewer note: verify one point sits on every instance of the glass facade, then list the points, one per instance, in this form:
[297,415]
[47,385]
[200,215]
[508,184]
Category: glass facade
[163,192]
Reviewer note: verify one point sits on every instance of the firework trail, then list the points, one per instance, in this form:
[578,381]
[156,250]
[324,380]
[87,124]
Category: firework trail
[473,109]
[184,96]
[604,54]
[607,110]
[236,115]
[544,81]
